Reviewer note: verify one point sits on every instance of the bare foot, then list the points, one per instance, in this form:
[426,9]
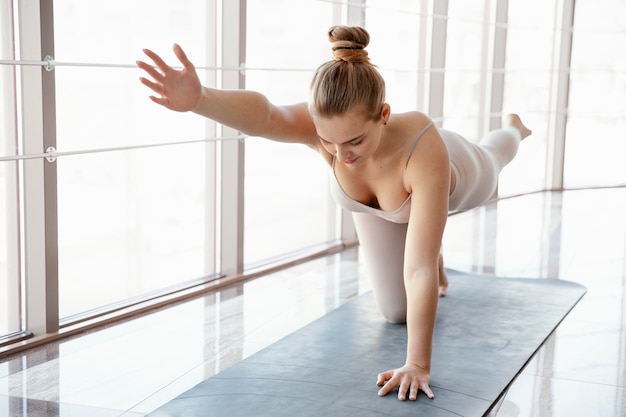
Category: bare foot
[513,119]
[443,278]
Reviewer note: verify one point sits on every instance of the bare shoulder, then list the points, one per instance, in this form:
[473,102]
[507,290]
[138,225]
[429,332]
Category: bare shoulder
[408,125]
[411,117]
[405,127]
[429,159]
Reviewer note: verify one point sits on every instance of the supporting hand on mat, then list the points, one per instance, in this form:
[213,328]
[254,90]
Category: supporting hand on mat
[178,90]
[410,378]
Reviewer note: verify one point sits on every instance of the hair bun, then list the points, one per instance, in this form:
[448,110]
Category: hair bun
[348,43]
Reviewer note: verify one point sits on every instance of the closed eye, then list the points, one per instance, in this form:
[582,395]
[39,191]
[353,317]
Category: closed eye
[354,142]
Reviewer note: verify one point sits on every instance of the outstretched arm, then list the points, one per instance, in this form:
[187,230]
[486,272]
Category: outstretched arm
[247,111]
[428,177]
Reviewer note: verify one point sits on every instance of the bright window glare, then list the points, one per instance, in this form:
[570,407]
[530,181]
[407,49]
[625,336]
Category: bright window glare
[130,221]
[287,204]
[137,205]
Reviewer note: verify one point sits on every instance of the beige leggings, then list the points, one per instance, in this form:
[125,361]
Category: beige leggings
[382,242]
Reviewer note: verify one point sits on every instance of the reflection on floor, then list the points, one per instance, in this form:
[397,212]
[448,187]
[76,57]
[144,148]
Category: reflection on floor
[131,368]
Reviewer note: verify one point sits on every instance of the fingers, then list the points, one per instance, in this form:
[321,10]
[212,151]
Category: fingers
[160,100]
[428,391]
[157,60]
[156,75]
[384,377]
[389,381]
[156,87]
[385,380]
[182,57]
[412,390]
[403,390]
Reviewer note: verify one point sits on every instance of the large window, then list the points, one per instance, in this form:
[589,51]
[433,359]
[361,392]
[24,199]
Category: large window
[137,219]
[466,67]
[530,79]
[399,49]
[287,204]
[594,153]
[135,199]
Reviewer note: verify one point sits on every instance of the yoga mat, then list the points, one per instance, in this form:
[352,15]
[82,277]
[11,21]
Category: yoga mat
[487,329]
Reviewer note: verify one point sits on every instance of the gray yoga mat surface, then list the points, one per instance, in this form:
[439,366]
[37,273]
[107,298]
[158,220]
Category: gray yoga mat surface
[487,329]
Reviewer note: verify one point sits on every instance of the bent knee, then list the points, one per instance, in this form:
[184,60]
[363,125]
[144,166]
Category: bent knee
[394,316]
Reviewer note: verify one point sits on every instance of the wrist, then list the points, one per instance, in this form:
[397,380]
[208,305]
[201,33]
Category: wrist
[198,108]
[425,367]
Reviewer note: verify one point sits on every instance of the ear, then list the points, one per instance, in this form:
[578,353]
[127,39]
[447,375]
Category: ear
[385,113]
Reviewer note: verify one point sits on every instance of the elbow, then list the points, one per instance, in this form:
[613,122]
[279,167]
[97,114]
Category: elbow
[413,271]
[421,274]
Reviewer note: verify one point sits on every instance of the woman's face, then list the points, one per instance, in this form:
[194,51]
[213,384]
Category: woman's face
[352,137]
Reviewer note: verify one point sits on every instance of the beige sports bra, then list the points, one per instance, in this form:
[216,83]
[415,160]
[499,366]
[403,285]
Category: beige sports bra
[400,215]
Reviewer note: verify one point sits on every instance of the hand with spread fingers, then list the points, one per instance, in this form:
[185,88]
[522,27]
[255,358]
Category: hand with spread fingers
[178,90]
[409,379]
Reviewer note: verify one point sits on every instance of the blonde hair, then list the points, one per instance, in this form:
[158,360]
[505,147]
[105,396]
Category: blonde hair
[349,79]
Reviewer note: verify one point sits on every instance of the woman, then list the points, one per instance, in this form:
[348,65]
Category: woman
[397,173]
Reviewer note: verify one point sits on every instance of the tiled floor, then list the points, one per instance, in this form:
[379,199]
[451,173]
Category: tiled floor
[131,368]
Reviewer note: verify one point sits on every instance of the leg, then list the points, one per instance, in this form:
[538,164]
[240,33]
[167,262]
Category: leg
[477,167]
[513,120]
[503,143]
[382,245]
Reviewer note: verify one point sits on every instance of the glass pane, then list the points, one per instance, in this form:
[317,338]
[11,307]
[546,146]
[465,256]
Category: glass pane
[10,294]
[596,145]
[287,204]
[108,107]
[396,50]
[130,221]
[465,68]
[527,90]
[10,277]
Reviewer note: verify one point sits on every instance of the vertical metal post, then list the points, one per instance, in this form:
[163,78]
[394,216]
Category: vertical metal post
[211,263]
[232,152]
[499,62]
[422,56]
[555,159]
[438,58]
[40,176]
[486,50]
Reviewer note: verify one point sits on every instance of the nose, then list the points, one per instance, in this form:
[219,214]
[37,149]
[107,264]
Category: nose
[343,154]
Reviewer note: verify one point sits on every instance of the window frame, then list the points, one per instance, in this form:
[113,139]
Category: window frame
[38,136]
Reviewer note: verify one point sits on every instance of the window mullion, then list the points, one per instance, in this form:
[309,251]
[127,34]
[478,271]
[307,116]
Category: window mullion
[499,61]
[438,58]
[40,175]
[232,152]
[555,158]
